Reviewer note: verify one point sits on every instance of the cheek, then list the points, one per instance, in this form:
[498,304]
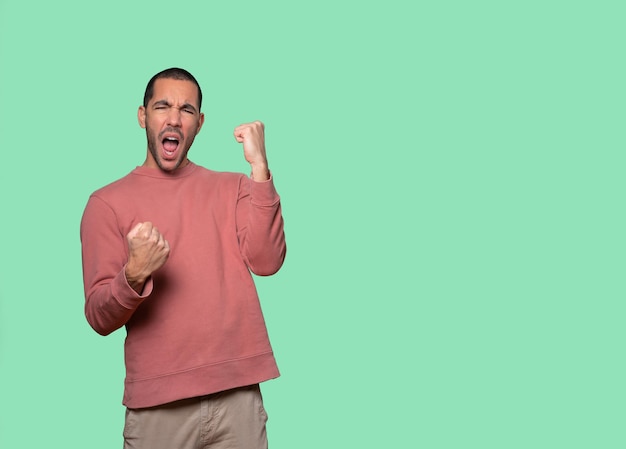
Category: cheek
[192,129]
[154,121]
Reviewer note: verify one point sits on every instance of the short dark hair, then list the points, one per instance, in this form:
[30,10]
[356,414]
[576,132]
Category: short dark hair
[171,73]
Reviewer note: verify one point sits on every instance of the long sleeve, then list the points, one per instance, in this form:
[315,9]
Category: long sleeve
[109,300]
[260,226]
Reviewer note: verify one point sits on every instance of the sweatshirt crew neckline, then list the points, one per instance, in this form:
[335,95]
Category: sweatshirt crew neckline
[181,172]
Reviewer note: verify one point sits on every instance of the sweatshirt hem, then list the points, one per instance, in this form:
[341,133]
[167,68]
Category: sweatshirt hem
[199,381]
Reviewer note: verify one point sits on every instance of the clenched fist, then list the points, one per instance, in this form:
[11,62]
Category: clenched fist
[252,135]
[148,251]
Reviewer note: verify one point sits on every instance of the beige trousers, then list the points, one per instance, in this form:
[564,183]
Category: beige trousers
[232,419]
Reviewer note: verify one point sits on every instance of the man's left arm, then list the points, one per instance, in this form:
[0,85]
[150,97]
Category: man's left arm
[260,225]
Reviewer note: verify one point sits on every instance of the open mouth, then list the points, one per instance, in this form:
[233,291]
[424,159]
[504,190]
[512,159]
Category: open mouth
[170,144]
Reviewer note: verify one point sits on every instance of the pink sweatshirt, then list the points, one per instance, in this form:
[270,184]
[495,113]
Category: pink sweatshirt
[197,328]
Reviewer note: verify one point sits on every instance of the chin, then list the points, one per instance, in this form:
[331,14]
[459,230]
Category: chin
[167,165]
[171,165]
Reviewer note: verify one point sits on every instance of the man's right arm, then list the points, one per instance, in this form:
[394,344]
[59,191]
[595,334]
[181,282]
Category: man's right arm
[116,283]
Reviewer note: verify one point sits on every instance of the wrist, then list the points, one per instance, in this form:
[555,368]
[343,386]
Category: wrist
[260,172]
[136,281]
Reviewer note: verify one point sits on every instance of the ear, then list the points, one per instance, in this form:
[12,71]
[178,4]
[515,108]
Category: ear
[141,116]
[200,122]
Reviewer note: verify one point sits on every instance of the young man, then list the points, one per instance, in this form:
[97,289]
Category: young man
[167,253]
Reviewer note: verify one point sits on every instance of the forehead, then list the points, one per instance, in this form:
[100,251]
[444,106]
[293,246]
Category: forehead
[175,91]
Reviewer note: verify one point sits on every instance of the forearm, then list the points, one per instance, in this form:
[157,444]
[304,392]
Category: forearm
[109,305]
[259,172]
[262,236]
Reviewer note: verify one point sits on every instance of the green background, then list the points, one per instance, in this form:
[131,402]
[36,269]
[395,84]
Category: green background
[452,183]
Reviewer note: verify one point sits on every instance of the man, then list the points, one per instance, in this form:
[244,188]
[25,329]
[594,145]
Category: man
[167,253]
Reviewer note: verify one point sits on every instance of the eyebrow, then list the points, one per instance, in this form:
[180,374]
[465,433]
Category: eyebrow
[167,103]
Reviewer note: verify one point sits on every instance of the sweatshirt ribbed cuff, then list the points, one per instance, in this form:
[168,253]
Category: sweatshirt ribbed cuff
[124,293]
[263,193]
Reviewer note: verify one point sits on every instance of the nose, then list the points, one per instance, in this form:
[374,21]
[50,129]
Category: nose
[174,117]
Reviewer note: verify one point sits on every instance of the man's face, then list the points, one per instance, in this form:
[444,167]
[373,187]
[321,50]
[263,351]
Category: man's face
[171,119]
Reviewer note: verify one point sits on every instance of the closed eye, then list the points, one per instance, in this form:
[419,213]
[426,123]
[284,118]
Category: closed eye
[189,109]
[161,104]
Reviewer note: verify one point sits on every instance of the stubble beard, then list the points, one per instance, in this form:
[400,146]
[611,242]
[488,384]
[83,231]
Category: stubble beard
[153,148]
